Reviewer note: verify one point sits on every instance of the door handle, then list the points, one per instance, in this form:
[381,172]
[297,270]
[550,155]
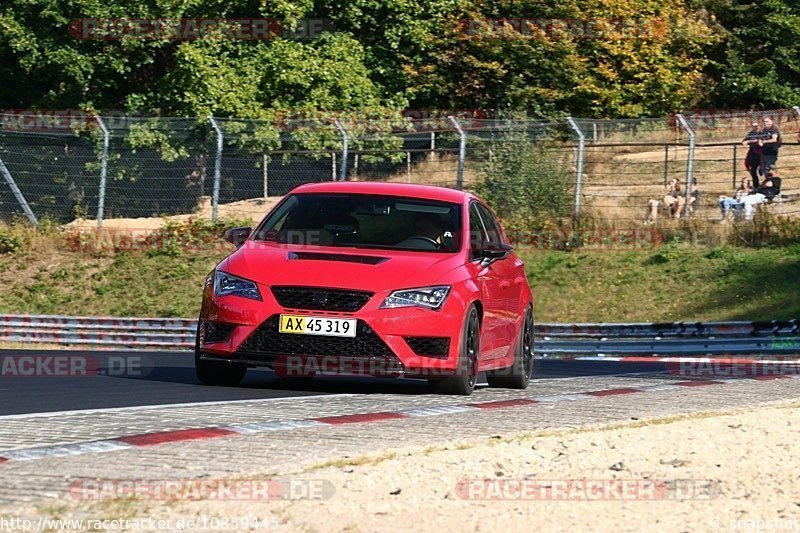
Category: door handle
[505,284]
[519,280]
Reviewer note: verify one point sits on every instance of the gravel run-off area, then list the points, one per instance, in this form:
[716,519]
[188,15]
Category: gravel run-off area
[708,471]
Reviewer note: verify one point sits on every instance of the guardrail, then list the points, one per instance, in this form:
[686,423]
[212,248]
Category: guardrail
[671,338]
[112,332]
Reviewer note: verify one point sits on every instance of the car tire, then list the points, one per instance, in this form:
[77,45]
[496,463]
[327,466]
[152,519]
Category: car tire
[218,373]
[463,382]
[518,375]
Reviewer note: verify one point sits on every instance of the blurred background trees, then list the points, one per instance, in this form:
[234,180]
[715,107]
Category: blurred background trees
[394,54]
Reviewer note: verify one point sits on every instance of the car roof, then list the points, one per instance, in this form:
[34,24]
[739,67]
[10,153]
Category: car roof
[427,192]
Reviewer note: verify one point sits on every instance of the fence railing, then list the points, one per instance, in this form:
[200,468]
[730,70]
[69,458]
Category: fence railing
[108,167]
[676,338]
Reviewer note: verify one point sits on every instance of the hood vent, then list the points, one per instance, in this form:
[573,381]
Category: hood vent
[346,258]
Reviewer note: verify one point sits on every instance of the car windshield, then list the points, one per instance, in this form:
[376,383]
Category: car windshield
[364,221]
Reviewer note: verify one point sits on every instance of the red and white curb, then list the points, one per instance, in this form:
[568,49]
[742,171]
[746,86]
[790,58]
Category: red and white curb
[185,435]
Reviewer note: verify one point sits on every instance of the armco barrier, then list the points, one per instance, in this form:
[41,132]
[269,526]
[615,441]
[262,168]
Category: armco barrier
[111,332]
[670,329]
[671,338]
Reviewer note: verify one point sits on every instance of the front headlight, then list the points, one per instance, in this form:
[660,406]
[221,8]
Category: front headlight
[227,285]
[427,297]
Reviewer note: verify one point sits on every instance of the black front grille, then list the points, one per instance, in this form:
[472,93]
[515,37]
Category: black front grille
[215,332]
[267,341]
[429,346]
[320,299]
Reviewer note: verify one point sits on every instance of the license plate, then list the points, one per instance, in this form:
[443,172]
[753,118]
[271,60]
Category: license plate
[313,325]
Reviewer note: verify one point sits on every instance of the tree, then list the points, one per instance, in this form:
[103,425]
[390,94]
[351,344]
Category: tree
[756,64]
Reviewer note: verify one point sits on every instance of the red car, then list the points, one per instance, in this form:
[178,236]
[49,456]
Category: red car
[370,278]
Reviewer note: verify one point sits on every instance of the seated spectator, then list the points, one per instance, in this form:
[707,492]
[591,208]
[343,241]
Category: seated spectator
[769,189]
[727,203]
[673,201]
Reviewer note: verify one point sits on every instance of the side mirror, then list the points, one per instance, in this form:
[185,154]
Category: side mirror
[237,236]
[494,251]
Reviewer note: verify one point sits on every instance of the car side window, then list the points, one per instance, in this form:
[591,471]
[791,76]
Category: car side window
[477,232]
[495,236]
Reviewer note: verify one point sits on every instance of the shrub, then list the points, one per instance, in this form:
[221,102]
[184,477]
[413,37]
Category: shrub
[767,229]
[525,184]
[9,243]
[175,237]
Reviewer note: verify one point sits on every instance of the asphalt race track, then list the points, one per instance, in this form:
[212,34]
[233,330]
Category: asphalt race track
[163,378]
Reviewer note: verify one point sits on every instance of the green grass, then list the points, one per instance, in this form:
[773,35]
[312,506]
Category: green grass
[129,284]
[673,282]
[667,284]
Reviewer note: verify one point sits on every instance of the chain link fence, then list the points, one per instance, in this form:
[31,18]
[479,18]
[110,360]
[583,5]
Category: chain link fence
[103,168]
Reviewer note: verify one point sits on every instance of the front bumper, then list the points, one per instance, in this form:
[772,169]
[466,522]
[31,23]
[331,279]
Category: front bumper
[410,342]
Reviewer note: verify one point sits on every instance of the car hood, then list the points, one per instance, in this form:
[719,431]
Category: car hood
[350,268]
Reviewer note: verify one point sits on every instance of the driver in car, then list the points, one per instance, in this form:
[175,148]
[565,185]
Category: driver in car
[427,233]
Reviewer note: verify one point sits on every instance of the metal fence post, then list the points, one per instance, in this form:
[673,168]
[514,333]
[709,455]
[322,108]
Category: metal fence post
[101,194]
[345,148]
[462,152]
[217,170]
[265,161]
[18,194]
[689,161]
[576,208]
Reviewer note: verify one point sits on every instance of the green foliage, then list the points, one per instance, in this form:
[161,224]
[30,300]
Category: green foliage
[9,243]
[766,229]
[156,135]
[526,186]
[398,53]
[756,62]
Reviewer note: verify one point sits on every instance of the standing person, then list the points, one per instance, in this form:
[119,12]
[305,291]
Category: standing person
[752,161]
[770,141]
